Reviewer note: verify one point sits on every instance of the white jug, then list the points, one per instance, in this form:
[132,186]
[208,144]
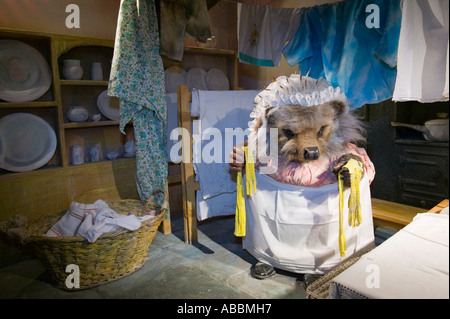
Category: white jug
[72,69]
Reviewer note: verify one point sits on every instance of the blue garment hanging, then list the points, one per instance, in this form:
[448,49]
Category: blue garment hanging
[337,42]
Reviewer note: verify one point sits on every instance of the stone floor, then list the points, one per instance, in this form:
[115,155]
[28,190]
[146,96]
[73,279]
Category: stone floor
[215,268]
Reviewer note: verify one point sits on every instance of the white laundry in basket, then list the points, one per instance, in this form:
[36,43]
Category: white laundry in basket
[296,228]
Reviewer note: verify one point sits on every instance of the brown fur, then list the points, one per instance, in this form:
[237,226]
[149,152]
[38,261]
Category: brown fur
[328,127]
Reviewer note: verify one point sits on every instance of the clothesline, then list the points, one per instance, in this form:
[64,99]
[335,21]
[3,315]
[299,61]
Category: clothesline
[361,59]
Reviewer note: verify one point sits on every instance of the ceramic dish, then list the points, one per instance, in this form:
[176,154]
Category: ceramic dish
[109,106]
[29,142]
[24,73]
[217,80]
[77,114]
[174,76]
[196,79]
[112,155]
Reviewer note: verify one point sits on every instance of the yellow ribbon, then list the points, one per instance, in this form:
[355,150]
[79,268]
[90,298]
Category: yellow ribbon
[354,204]
[250,183]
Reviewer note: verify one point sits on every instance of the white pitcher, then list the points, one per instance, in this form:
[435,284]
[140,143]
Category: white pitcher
[72,69]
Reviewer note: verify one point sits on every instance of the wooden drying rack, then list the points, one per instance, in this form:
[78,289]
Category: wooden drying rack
[188,183]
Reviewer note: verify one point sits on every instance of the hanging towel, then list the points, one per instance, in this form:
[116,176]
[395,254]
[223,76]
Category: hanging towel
[92,220]
[137,79]
[336,42]
[423,52]
[263,32]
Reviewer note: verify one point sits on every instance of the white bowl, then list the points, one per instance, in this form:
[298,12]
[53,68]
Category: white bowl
[77,114]
[112,155]
[95,117]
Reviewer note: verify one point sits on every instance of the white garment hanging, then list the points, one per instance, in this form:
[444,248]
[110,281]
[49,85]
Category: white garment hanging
[422,67]
[263,32]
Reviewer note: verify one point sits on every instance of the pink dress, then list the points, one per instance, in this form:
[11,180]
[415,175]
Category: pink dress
[320,172]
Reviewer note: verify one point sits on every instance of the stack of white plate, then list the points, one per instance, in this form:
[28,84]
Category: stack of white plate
[174,76]
[217,80]
[196,78]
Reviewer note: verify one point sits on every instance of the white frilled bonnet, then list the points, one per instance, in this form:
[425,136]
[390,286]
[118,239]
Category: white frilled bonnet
[294,90]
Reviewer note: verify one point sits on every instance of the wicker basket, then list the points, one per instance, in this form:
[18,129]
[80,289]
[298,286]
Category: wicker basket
[112,256]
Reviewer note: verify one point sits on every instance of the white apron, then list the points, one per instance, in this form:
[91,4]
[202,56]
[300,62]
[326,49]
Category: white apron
[296,228]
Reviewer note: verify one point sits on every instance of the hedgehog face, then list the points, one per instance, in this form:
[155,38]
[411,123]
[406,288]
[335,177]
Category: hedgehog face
[307,133]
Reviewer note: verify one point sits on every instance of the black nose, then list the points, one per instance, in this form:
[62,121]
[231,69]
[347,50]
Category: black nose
[311,153]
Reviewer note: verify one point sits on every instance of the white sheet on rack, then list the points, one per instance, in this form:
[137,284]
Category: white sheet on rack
[218,110]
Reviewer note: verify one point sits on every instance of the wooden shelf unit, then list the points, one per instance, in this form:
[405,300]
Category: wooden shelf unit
[52,187]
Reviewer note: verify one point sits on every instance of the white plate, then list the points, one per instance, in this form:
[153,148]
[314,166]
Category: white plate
[196,79]
[174,76]
[109,106]
[30,142]
[217,80]
[24,73]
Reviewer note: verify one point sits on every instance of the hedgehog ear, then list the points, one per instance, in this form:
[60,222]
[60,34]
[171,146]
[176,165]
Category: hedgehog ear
[270,116]
[263,119]
[267,110]
[339,107]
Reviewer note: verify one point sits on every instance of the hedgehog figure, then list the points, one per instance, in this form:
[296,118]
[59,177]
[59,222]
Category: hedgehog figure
[316,136]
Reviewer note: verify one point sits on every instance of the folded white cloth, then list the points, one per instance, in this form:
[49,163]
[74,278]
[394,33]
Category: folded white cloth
[92,220]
